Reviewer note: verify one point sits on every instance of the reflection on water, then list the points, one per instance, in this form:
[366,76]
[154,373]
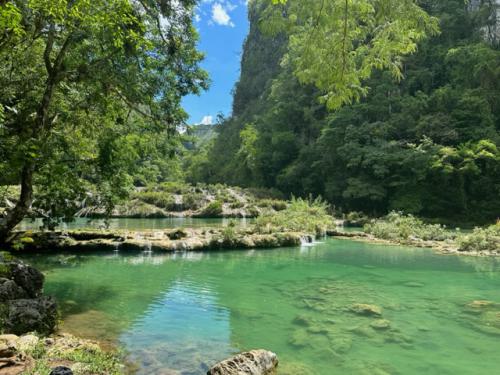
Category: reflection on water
[182,312]
[136,223]
[166,338]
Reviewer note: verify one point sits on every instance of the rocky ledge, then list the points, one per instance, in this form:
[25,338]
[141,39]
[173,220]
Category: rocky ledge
[57,355]
[254,362]
[160,240]
[23,307]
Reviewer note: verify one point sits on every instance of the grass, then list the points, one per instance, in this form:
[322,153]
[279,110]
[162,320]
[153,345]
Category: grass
[301,215]
[87,359]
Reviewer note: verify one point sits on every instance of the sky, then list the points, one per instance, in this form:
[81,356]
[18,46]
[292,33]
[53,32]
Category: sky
[223,26]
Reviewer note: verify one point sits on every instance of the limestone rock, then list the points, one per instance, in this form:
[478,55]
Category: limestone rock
[380,324]
[27,277]
[10,290]
[254,362]
[365,309]
[28,315]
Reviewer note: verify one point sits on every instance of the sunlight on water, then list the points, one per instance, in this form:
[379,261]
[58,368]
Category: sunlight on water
[182,312]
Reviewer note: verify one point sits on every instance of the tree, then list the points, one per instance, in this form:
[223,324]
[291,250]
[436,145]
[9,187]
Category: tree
[338,44]
[81,71]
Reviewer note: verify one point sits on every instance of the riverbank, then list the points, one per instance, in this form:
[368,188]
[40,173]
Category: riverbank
[185,239]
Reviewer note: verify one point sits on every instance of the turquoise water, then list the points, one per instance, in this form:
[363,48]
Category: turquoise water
[135,223]
[180,313]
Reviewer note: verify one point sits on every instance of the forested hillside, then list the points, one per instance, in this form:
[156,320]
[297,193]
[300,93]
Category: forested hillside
[427,145]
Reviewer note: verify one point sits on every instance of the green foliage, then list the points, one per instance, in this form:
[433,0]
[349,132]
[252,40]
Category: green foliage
[213,209]
[275,204]
[93,360]
[481,239]
[157,198]
[400,228]
[426,145]
[302,215]
[338,44]
[90,98]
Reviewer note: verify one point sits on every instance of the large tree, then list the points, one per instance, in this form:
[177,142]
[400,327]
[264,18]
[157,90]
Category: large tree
[76,75]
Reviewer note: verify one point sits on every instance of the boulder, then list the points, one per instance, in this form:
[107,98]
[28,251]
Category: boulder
[10,290]
[254,362]
[29,315]
[27,277]
[61,370]
[27,343]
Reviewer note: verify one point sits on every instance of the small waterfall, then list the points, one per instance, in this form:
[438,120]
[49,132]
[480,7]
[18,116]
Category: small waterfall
[117,247]
[306,241]
[148,248]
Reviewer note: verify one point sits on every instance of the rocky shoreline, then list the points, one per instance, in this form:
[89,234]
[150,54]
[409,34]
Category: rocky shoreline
[158,241]
[441,247]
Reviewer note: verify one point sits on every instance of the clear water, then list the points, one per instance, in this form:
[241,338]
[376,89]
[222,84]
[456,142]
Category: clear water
[135,223]
[180,313]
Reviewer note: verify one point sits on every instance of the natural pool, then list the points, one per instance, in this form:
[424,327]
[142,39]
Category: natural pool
[180,313]
[135,223]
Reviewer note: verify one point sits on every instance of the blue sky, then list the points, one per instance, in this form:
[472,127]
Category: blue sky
[223,26]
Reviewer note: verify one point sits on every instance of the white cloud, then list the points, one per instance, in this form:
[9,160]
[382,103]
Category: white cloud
[220,15]
[207,120]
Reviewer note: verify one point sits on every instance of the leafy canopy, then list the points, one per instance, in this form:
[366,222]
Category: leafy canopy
[338,44]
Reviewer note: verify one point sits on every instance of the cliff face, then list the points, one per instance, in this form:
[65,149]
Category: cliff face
[259,63]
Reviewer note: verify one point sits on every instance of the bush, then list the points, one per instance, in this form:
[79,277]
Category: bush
[192,201]
[481,239]
[157,198]
[399,227]
[302,215]
[275,204]
[214,209]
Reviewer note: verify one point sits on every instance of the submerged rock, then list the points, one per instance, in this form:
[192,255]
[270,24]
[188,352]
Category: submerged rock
[254,362]
[380,324]
[365,309]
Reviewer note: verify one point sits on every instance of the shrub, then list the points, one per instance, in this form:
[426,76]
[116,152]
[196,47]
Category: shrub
[481,239]
[192,201]
[157,198]
[399,227]
[275,204]
[302,215]
[213,209]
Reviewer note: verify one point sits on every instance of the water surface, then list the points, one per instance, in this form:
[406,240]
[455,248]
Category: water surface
[180,313]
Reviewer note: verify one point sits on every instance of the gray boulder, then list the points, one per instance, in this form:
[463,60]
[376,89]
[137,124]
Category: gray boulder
[10,290]
[30,315]
[27,277]
[254,362]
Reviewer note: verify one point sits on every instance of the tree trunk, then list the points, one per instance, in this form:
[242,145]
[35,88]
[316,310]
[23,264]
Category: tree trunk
[23,205]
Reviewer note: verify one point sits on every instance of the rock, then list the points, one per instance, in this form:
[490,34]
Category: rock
[414,284]
[29,315]
[177,234]
[7,351]
[365,309]
[341,344]
[254,362]
[10,290]
[380,324]
[61,370]
[27,277]
[27,343]
[299,339]
[302,320]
